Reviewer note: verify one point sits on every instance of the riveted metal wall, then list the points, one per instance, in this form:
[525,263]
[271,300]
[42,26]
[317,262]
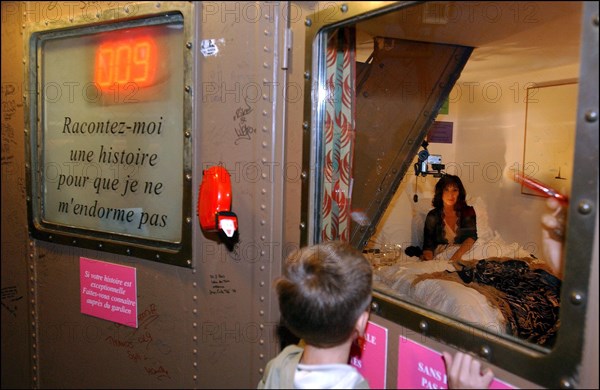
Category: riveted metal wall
[16,294]
[212,325]
[240,125]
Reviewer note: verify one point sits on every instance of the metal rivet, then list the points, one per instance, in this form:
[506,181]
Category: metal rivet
[423,325]
[374,307]
[485,351]
[576,298]
[344,8]
[308,22]
[188,134]
[188,45]
[304,174]
[584,207]
[302,225]
[305,125]
[591,116]
[565,383]
[307,75]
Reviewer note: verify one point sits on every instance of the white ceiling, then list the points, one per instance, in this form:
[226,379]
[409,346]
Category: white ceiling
[508,37]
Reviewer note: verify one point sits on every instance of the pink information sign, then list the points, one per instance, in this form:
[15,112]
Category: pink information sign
[108,291]
[420,367]
[371,359]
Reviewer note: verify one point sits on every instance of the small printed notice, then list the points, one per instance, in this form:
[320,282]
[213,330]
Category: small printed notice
[440,132]
[420,367]
[370,359]
[108,291]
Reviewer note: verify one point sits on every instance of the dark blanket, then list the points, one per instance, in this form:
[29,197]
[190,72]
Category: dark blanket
[529,298]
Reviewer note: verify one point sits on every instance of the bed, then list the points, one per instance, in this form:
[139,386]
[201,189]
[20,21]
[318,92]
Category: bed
[498,286]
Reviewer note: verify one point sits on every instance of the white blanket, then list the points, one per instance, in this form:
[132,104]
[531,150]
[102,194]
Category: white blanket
[447,297]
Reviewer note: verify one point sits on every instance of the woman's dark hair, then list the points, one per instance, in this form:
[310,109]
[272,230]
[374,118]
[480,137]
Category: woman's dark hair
[446,181]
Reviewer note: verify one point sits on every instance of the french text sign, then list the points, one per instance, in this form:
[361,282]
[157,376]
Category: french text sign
[371,359]
[420,367]
[108,291]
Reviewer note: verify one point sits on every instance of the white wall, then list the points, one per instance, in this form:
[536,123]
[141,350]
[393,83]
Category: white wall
[488,139]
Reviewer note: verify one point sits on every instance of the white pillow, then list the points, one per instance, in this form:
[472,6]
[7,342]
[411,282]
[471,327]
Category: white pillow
[484,232]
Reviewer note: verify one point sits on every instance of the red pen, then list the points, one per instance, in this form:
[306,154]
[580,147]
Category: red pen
[541,187]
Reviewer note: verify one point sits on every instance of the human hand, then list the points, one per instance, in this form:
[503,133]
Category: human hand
[553,234]
[464,372]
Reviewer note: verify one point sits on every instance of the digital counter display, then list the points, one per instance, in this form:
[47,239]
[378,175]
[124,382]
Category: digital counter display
[122,61]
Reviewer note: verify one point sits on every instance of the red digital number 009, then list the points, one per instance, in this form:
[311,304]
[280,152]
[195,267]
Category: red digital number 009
[126,61]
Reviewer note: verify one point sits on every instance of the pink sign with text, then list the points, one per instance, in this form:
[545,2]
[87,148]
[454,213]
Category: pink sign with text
[108,291]
[371,359]
[420,367]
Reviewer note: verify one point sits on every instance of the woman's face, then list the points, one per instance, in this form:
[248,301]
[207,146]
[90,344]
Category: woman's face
[450,195]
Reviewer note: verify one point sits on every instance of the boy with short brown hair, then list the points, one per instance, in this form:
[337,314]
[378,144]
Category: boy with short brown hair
[324,297]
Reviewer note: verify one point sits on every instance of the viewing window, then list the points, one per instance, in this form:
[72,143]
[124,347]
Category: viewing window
[405,96]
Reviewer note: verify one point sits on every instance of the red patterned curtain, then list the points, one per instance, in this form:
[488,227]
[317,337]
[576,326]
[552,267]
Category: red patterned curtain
[339,135]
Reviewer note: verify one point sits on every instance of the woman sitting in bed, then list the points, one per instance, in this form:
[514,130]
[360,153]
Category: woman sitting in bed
[451,221]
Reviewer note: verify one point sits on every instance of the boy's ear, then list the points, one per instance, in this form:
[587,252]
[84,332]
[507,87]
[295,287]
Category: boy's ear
[361,323]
